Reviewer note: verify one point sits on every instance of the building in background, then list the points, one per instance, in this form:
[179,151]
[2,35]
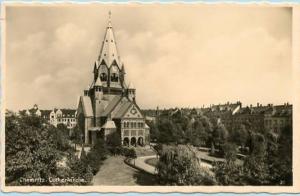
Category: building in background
[259,118]
[55,116]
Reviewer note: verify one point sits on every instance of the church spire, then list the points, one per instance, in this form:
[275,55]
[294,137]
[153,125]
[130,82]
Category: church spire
[109,52]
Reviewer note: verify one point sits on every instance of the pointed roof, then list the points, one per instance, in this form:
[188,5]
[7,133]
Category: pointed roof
[98,82]
[95,67]
[109,124]
[130,85]
[86,104]
[109,51]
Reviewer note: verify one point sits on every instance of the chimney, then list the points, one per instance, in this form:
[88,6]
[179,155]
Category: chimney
[257,104]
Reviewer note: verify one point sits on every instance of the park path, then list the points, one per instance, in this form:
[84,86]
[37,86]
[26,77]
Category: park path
[140,163]
[115,172]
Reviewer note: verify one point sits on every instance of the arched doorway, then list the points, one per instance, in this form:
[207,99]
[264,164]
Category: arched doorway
[126,141]
[133,141]
[141,141]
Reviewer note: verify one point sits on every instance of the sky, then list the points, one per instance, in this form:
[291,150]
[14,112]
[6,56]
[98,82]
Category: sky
[184,55]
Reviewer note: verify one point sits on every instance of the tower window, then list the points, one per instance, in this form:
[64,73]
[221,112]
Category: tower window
[114,77]
[103,77]
[106,40]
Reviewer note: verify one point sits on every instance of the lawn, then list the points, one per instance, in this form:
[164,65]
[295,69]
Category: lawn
[115,172]
[152,161]
[144,151]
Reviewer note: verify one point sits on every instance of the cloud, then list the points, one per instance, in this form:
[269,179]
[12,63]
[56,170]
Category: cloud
[174,55]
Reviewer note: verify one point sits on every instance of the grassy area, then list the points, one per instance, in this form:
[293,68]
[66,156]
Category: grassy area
[115,172]
[152,161]
[144,151]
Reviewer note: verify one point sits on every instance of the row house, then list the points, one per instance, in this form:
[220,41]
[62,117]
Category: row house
[259,118]
[55,116]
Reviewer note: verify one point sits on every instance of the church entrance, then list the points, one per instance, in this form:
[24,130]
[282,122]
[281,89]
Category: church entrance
[133,141]
[141,141]
[126,141]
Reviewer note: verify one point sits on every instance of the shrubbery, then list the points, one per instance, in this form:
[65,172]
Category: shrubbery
[178,165]
[36,152]
[96,156]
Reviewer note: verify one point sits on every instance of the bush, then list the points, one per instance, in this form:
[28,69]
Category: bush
[178,165]
[31,150]
[96,156]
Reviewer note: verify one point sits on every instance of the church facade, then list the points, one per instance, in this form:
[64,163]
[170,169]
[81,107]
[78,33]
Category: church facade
[109,104]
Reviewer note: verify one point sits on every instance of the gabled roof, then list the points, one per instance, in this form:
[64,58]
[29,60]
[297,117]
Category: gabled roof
[45,113]
[87,106]
[111,105]
[123,109]
[68,112]
[103,62]
[98,82]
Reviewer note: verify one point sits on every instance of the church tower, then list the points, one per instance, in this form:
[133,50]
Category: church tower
[109,103]
[108,66]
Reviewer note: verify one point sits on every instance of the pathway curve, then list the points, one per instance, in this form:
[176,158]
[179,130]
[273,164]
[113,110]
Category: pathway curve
[115,172]
[139,162]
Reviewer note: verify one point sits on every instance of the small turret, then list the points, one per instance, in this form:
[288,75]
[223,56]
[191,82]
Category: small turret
[95,71]
[131,92]
[98,89]
[122,75]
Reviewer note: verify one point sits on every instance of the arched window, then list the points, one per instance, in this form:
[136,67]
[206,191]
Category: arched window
[114,72]
[103,77]
[114,77]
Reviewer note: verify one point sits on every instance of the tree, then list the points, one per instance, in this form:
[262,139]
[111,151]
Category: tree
[256,170]
[166,131]
[61,137]
[196,133]
[178,165]
[219,137]
[154,132]
[113,139]
[76,135]
[279,157]
[97,155]
[30,150]
[240,136]
[229,172]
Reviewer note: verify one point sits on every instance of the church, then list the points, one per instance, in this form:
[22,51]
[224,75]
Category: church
[109,104]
